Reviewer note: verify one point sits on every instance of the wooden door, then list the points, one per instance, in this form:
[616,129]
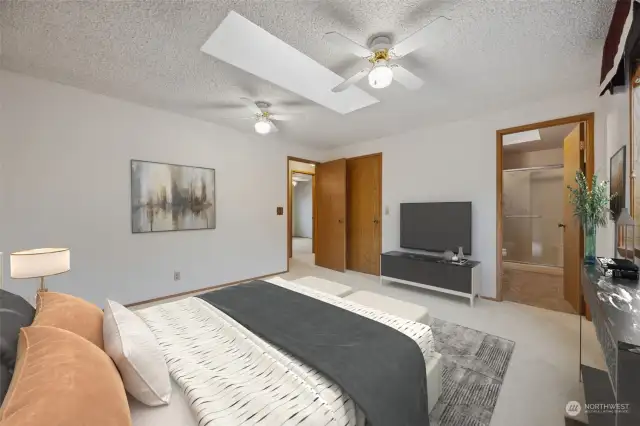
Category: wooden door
[314,214]
[364,181]
[331,205]
[572,251]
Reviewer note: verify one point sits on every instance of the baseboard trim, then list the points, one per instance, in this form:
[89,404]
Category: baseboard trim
[490,298]
[199,290]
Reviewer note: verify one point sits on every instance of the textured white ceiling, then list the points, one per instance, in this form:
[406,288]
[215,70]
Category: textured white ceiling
[494,54]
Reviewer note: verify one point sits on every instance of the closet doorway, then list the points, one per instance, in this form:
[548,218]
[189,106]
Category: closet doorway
[347,213]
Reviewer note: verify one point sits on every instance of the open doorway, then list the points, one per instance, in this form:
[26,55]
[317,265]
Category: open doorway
[347,213]
[539,239]
[301,228]
[302,202]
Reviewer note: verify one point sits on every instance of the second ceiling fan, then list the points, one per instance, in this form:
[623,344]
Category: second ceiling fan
[264,120]
[382,56]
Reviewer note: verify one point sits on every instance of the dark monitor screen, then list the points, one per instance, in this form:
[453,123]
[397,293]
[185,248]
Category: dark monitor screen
[436,226]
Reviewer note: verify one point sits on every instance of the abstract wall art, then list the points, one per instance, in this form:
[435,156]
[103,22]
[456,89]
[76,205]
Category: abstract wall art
[618,180]
[170,197]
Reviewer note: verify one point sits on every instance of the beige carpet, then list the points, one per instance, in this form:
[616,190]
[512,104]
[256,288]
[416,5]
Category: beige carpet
[302,250]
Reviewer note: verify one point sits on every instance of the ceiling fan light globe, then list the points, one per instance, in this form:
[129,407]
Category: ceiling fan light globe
[262,127]
[380,76]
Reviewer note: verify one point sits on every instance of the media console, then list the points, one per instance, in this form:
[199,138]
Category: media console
[431,272]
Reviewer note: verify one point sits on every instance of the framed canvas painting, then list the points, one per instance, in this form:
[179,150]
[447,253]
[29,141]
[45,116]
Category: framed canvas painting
[171,197]
[617,182]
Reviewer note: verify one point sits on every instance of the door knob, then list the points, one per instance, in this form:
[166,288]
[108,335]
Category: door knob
[561,225]
[340,221]
[376,221]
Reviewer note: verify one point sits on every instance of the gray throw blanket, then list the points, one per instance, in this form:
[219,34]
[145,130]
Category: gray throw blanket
[382,369]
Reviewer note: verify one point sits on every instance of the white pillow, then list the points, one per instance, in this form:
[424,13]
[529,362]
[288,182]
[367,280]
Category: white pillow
[137,354]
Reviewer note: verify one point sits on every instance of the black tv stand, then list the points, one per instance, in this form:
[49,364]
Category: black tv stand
[431,272]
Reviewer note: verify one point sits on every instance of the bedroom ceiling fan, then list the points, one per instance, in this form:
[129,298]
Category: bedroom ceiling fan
[382,54]
[264,119]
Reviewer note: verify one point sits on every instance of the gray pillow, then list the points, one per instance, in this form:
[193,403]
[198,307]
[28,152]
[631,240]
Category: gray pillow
[15,313]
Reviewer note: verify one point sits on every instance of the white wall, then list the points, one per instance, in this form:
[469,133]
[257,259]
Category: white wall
[616,113]
[65,176]
[303,210]
[457,162]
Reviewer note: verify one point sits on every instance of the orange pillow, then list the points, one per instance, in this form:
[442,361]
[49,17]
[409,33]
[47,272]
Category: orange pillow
[70,313]
[62,379]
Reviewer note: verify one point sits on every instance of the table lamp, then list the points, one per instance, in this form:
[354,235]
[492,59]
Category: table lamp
[40,263]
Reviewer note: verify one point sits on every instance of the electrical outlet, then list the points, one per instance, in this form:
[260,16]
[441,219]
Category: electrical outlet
[176,275]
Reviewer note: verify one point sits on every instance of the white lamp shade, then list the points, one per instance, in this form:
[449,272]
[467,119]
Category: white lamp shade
[625,219]
[380,76]
[262,127]
[40,262]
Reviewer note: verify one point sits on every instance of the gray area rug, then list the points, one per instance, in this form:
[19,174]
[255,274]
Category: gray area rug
[475,364]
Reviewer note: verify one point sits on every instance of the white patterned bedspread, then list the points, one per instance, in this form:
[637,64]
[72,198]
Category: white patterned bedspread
[231,376]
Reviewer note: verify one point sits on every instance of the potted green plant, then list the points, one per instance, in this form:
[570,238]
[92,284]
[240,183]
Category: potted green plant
[591,207]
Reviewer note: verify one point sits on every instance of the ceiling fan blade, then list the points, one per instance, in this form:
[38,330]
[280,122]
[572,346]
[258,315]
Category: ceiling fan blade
[351,80]
[347,44]
[406,77]
[273,126]
[420,38]
[280,117]
[252,106]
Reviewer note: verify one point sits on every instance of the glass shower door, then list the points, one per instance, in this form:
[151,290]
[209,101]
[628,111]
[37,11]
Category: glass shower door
[532,209]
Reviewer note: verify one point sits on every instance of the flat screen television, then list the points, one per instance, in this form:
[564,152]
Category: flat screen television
[436,227]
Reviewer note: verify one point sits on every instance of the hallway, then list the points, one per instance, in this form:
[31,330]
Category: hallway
[302,251]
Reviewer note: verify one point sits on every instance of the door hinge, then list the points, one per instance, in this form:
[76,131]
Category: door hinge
[583,156]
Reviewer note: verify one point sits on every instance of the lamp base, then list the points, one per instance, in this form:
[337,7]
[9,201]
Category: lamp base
[42,287]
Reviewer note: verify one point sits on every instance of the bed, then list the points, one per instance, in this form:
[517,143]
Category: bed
[188,327]
[209,367]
